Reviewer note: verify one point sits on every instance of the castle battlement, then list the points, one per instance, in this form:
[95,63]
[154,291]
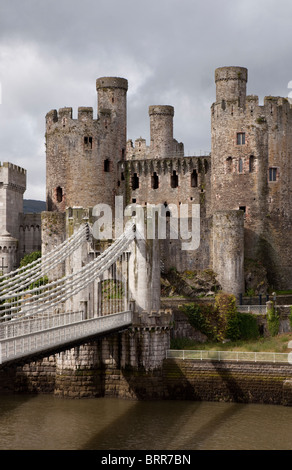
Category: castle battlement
[12,167]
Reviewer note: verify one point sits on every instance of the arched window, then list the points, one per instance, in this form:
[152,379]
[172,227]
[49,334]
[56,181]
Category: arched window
[154,181]
[59,194]
[135,181]
[194,179]
[229,165]
[174,180]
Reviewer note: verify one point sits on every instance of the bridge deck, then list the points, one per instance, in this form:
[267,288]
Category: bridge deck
[23,338]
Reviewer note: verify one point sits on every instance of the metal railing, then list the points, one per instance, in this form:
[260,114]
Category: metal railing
[256,309]
[27,337]
[200,355]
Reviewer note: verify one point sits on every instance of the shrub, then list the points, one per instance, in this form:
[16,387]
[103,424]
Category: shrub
[229,324]
[27,259]
[222,321]
[248,326]
[290,317]
[202,318]
[273,320]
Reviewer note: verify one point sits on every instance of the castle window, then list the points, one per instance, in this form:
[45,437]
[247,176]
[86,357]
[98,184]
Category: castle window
[251,164]
[194,179]
[154,181]
[59,194]
[240,165]
[135,181]
[123,154]
[229,165]
[106,165]
[240,138]
[174,180]
[272,174]
[88,143]
[122,176]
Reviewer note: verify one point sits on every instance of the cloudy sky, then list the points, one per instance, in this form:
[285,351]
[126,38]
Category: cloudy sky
[52,51]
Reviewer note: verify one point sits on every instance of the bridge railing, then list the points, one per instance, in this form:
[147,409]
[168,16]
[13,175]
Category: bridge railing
[26,325]
[200,355]
[31,343]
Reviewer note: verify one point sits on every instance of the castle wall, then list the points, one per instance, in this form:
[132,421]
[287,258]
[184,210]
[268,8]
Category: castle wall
[29,234]
[161,175]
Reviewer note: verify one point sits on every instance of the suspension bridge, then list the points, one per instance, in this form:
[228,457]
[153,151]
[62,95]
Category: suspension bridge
[38,315]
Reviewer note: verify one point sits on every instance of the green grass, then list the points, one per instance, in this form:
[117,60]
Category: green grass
[277,343]
[284,292]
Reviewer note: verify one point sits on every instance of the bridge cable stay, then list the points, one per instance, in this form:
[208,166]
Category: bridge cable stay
[17,305]
[22,277]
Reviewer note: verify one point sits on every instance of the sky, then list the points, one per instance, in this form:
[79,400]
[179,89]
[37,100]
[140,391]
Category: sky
[52,52]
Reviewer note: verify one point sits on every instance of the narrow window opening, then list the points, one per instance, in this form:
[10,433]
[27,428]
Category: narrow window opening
[272,174]
[251,164]
[154,181]
[240,166]
[106,165]
[59,194]
[242,208]
[122,176]
[174,180]
[88,143]
[194,179]
[240,138]
[123,154]
[229,165]
[135,181]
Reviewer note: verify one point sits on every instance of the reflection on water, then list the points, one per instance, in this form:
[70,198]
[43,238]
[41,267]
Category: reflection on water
[49,423]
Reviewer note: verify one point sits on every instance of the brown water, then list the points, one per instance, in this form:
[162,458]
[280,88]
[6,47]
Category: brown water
[49,423]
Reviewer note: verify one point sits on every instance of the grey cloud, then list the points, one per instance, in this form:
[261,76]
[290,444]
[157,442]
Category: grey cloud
[52,52]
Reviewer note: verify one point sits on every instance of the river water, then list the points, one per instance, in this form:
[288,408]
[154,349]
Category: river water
[42,422]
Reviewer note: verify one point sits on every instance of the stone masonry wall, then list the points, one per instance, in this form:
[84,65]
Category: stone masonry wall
[241,382]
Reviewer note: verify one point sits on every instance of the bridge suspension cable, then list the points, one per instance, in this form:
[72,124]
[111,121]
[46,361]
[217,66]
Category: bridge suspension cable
[17,303]
[21,278]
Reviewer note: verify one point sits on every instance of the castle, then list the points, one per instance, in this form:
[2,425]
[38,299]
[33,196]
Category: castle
[242,188]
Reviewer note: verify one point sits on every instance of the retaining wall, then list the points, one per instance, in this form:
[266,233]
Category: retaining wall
[243,382]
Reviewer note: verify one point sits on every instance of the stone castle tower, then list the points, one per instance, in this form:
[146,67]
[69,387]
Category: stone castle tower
[20,233]
[251,170]
[82,153]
